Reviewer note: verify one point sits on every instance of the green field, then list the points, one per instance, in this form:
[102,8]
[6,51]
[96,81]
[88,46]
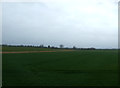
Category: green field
[69,68]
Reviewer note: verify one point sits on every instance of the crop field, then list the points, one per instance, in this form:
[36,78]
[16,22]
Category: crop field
[59,68]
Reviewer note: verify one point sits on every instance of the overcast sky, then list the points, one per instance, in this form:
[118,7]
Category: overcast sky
[80,23]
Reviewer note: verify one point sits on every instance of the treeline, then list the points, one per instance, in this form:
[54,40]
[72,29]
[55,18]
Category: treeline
[49,46]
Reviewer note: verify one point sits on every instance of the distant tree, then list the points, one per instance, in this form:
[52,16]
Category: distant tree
[61,46]
[48,46]
[21,45]
[92,48]
[74,47]
[4,44]
[52,47]
[41,46]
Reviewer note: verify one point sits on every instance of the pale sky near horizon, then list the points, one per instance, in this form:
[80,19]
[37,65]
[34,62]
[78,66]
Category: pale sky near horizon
[80,23]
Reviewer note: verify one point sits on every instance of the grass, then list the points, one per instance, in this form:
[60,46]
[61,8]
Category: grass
[74,68]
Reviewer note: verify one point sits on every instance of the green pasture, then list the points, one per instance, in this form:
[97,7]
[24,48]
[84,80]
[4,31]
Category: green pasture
[69,68]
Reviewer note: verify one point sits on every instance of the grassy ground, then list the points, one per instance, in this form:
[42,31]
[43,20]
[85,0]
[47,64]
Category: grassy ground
[74,68]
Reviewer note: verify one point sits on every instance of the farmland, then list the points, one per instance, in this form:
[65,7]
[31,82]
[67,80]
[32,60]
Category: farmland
[59,68]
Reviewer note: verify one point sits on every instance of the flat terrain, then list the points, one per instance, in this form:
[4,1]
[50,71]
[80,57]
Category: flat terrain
[66,68]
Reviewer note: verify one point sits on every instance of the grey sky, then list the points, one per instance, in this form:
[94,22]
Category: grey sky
[80,23]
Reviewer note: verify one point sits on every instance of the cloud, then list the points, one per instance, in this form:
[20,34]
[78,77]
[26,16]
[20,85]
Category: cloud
[83,23]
